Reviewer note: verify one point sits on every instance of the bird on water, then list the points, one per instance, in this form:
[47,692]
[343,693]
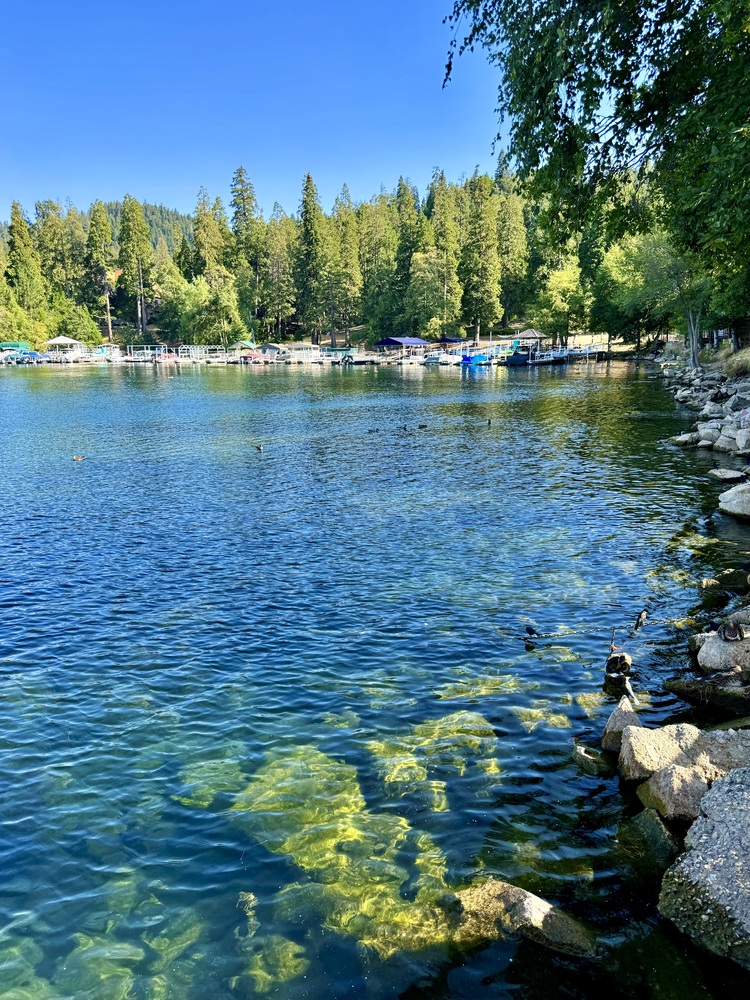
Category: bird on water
[259,447]
[531,631]
[641,620]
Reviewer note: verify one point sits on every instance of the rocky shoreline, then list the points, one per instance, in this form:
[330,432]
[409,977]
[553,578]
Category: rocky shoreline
[695,784]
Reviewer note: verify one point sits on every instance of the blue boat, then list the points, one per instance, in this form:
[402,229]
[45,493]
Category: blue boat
[474,360]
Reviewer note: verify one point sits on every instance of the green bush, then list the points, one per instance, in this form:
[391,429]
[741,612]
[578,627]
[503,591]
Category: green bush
[738,364]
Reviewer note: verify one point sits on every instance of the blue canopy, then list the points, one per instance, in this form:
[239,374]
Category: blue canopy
[451,340]
[402,342]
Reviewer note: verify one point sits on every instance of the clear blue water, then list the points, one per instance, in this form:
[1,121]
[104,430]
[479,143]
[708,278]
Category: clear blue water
[297,674]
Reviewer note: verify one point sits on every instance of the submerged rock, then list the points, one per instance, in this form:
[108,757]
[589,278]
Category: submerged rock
[496,909]
[705,893]
[723,689]
[623,716]
[663,847]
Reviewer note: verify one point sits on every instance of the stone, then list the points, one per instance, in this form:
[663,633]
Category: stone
[661,844]
[685,440]
[675,791]
[727,475]
[743,438]
[719,690]
[590,761]
[718,654]
[710,434]
[697,639]
[725,443]
[497,908]
[622,716]
[736,501]
[645,751]
[705,893]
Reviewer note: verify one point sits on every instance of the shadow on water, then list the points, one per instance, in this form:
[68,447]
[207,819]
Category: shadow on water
[262,710]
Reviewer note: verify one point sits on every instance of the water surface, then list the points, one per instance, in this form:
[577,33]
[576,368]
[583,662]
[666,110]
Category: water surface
[259,707]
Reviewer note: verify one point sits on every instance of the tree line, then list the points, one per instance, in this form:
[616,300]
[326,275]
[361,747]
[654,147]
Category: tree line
[469,257]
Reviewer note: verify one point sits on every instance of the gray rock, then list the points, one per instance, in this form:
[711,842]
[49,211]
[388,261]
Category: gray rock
[725,443]
[590,761]
[718,654]
[685,440]
[743,438]
[719,690]
[622,716]
[675,792]
[736,501]
[645,751]
[661,844]
[706,893]
[495,909]
[727,475]
[697,639]
[710,434]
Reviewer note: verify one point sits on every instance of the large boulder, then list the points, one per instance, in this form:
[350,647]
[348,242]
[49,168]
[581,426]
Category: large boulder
[623,716]
[725,443]
[646,751]
[675,792]
[686,439]
[705,893]
[495,909]
[743,438]
[717,653]
[724,690]
[736,501]
[727,475]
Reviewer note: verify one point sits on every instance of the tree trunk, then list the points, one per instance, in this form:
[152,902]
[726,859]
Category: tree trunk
[109,315]
[694,335]
[476,331]
[735,341]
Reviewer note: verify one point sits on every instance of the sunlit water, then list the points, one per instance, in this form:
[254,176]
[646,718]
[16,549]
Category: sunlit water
[260,709]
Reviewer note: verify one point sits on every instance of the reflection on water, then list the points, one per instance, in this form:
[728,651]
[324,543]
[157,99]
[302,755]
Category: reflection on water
[261,711]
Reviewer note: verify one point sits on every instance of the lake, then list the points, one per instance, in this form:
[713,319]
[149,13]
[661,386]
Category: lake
[261,709]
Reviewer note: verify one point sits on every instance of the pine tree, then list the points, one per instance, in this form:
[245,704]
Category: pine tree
[444,218]
[378,239]
[349,277]
[408,242]
[99,258]
[207,237]
[312,263]
[75,251]
[24,271]
[49,239]
[513,248]
[277,288]
[135,256]
[480,263]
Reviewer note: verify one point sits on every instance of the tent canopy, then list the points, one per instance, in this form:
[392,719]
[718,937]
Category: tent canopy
[63,340]
[402,342]
[451,340]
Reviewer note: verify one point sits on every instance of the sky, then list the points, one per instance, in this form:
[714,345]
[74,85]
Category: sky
[158,98]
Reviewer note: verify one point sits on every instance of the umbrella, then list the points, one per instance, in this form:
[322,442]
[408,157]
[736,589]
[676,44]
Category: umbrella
[63,340]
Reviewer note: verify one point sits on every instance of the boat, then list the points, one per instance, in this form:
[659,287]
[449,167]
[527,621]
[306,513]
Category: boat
[520,356]
[558,357]
[360,359]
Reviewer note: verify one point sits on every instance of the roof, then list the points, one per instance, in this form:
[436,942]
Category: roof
[402,342]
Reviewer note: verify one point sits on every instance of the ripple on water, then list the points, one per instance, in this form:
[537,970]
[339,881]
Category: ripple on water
[299,681]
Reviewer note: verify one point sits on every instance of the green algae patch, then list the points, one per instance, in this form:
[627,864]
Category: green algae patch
[19,958]
[206,779]
[276,960]
[450,743]
[311,808]
[540,715]
[484,686]
[591,702]
[348,719]
[175,939]
[99,967]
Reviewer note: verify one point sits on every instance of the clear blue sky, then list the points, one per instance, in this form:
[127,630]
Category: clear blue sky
[158,98]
